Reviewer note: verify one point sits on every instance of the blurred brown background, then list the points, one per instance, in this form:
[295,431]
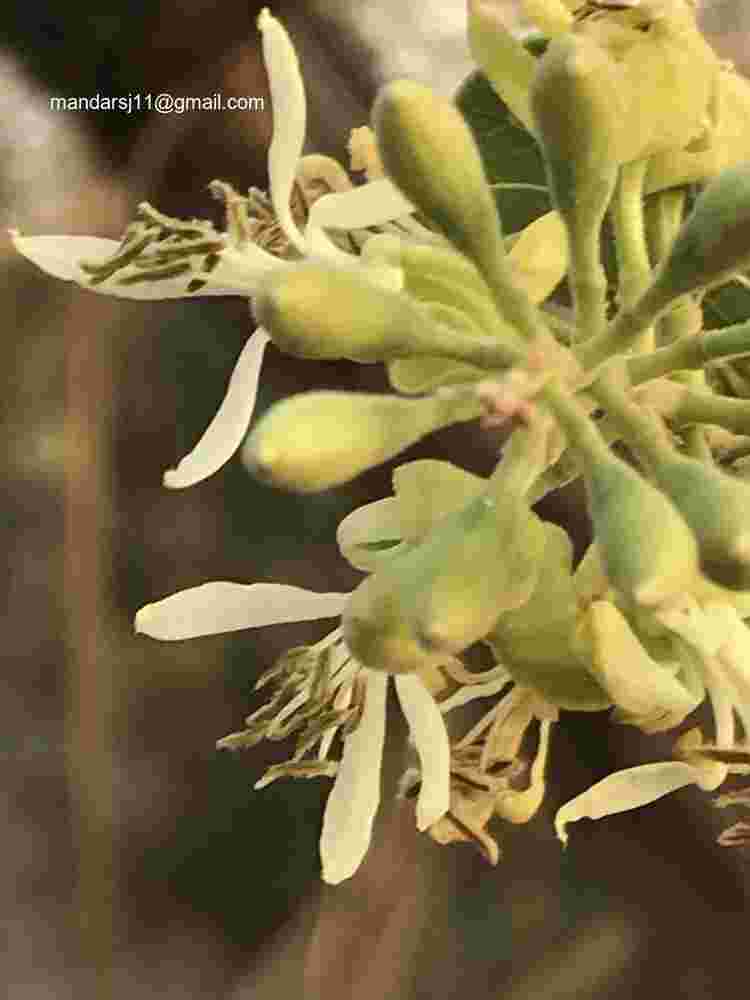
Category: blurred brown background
[137,861]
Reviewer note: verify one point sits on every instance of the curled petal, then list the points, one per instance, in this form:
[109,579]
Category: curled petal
[366,535]
[219,606]
[290,113]
[624,790]
[633,680]
[430,737]
[355,796]
[224,434]
[372,204]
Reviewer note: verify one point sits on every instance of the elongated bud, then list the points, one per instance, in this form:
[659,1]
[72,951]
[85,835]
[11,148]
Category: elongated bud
[648,550]
[429,152]
[717,508]
[317,440]
[378,633]
[317,312]
[646,547]
[648,693]
[714,241]
[579,106]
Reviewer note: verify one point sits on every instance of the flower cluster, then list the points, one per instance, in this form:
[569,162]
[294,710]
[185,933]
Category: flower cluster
[631,111]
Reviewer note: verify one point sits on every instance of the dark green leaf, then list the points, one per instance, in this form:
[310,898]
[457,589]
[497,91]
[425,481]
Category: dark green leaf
[510,154]
[726,305]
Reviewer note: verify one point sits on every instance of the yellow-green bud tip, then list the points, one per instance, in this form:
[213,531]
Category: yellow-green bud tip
[429,152]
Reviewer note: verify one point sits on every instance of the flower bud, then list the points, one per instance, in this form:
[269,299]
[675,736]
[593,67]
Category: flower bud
[316,440]
[714,241]
[429,152]
[474,565]
[648,550]
[328,314]
[579,108]
[316,312]
[377,632]
[717,508]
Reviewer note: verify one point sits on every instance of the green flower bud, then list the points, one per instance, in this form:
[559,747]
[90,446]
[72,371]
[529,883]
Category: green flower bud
[327,314]
[717,508]
[648,550]
[316,440]
[377,632]
[429,152]
[474,565]
[714,241]
[646,547]
[579,108]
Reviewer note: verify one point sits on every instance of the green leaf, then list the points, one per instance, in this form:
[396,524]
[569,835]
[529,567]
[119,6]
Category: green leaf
[510,154]
[726,305]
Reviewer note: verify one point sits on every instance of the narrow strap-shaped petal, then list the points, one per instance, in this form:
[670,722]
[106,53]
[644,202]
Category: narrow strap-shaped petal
[372,204]
[624,790]
[289,120]
[430,737]
[224,434]
[219,606]
[237,272]
[355,796]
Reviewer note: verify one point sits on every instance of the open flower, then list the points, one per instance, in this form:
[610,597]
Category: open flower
[165,258]
[321,693]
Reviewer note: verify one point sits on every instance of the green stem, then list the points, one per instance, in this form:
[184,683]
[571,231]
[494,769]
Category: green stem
[664,213]
[642,430]
[514,305]
[691,353]
[588,282]
[523,461]
[692,407]
[630,236]
[579,429]
[626,328]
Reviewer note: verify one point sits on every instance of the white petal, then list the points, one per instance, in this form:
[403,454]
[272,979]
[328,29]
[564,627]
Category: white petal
[224,607]
[624,790]
[372,204]
[379,521]
[429,735]
[289,116]
[355,796]
[60,256]
[224,434]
